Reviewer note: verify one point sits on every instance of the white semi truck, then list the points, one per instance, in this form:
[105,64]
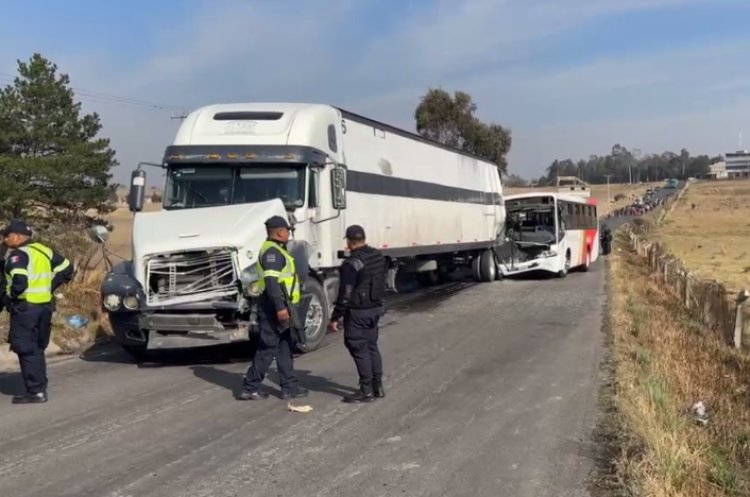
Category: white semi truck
[428,207]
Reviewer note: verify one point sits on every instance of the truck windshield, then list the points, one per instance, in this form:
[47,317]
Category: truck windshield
[209,185]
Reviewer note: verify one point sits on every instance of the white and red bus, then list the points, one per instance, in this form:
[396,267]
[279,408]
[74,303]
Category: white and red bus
[550,232]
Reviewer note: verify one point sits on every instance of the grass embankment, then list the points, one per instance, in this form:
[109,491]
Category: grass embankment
[664,362]
[712,237]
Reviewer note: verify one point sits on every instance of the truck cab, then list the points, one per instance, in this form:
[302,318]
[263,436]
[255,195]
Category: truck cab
[193,258]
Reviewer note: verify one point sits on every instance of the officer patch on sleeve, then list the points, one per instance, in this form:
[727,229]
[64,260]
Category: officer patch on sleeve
[14,259]
[271,257]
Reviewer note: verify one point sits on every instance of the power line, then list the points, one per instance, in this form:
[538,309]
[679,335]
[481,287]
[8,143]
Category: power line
[101,97]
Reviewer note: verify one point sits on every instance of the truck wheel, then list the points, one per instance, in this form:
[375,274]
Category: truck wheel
[317,317]
[476,268]
[487,267]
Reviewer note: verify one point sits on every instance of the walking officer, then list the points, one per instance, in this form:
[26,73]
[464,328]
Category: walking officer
[360,303]
[280,284]
[33,272]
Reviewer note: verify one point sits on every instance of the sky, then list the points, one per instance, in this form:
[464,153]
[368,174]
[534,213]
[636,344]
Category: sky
[570,78]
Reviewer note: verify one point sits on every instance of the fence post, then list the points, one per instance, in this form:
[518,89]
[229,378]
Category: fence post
[686,276]
[739,318]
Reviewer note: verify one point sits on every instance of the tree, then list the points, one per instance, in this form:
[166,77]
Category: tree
[451,121]
[53,167]
[515,181]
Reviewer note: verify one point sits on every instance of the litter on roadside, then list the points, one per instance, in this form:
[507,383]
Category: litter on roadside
[293,408]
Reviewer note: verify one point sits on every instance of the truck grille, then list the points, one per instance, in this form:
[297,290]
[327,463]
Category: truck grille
[190,277]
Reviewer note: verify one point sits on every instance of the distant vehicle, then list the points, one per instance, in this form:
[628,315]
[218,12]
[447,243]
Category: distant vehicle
[550,232]
[672,184]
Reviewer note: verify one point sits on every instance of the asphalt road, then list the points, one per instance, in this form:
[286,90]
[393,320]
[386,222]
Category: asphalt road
[491,391]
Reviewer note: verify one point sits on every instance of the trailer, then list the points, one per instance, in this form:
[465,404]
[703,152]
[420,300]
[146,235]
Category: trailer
[428,207]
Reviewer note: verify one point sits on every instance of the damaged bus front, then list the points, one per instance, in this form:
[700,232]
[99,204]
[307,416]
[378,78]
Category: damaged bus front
[550,233]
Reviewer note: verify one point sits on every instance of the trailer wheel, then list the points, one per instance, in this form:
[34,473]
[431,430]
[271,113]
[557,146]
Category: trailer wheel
[317,315]
[476,269]
[487,268]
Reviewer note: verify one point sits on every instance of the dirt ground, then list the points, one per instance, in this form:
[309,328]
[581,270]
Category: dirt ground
[710,229]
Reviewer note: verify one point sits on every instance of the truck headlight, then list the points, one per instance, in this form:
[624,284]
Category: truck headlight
[131,303]
[112,302]
[249,279]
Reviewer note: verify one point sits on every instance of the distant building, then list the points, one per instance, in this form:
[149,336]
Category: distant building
[738,164]
[717,170]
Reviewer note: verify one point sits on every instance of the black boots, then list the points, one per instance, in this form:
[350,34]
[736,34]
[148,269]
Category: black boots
[361,395]
[377,388]
[368,391]
[245,395]
[294,393]
[30,398]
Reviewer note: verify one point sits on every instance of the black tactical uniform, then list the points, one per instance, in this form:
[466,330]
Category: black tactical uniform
[360,303]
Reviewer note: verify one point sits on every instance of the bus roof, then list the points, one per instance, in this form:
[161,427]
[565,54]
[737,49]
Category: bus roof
[558,196]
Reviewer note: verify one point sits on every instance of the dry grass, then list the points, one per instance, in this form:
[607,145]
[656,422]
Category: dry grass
[712,239]
[664,362]
[599,192]
[79,297]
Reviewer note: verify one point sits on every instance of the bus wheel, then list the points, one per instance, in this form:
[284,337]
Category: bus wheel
[587,261]
[564,271]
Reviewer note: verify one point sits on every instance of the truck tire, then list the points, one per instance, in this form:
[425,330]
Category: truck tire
[487,267]
[317,317]
[476,268]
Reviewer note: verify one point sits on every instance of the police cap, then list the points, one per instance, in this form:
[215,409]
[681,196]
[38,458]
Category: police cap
[18,227]
[355,232]
[276,222]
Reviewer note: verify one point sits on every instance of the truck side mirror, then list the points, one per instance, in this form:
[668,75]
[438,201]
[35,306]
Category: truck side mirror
[99,234]
[338,187]
[137,190]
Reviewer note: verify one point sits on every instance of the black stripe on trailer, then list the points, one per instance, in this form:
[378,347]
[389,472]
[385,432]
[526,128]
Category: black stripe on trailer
[378,184]
[431,250]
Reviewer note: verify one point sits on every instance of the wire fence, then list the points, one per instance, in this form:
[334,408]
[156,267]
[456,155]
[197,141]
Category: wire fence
[708,301]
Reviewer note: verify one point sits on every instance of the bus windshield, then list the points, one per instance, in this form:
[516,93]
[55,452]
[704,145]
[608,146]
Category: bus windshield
[532,219]
[209,185]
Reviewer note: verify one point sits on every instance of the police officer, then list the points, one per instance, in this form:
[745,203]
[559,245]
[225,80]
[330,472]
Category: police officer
[360,303]
[281,289]
[33,272]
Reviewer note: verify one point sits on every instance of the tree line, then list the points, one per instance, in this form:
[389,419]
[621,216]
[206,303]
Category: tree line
[629,166]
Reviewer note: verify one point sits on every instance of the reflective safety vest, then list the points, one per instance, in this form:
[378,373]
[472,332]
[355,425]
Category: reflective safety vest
[39,274]
[287,277]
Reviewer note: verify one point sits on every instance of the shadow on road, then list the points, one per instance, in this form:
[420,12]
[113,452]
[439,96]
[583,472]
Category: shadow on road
[233,381]
[11,384]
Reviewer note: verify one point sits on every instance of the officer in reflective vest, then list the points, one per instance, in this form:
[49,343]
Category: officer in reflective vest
[277,277]
[360,303]
[33,272]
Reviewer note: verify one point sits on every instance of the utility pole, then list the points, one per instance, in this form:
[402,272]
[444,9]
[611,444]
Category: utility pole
[609,199]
